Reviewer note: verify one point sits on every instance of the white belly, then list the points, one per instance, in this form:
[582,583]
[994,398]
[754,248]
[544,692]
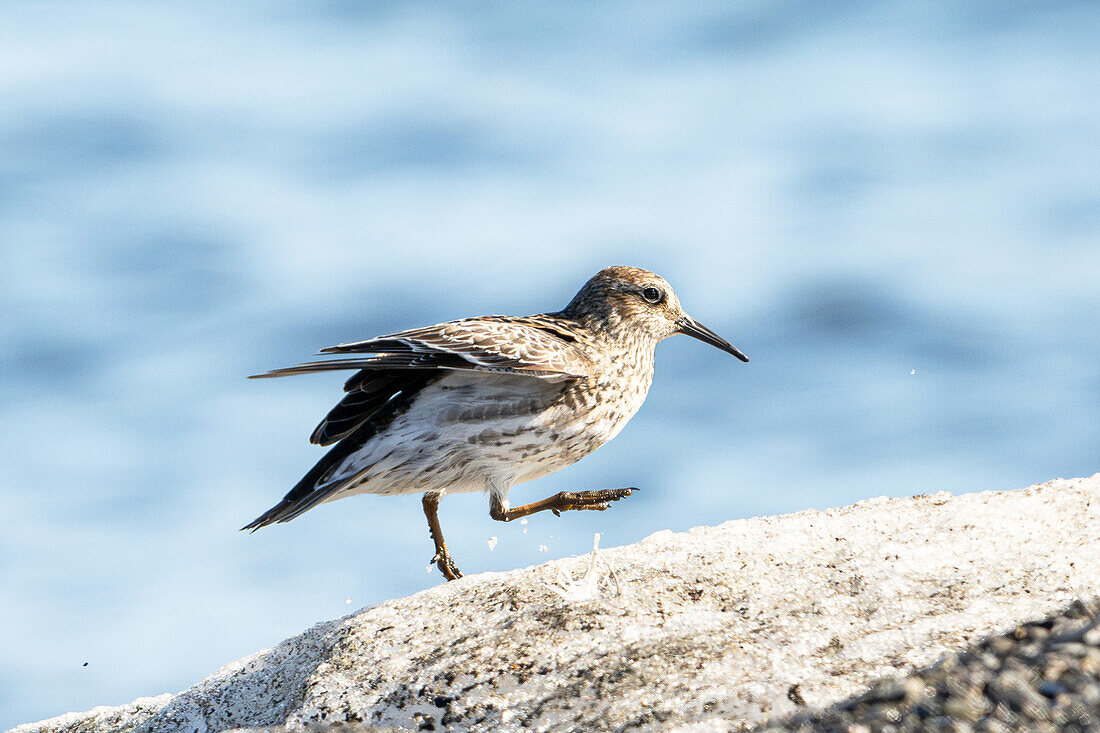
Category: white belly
[477,433]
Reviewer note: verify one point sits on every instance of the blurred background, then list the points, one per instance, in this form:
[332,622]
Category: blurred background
[892,209]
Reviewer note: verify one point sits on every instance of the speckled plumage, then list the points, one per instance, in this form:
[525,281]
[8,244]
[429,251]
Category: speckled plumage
[482,404]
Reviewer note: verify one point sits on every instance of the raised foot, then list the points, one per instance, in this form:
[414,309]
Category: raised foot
[598,500]
[446,566]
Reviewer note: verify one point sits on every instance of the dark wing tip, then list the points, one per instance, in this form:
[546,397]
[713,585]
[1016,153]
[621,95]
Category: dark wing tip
[318,436]
[284,372]
[331,365]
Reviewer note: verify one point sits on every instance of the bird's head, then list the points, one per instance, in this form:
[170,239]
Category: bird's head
[626,302]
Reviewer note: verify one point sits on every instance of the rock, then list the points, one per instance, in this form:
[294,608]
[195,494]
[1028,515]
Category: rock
[1053,689]
[711,629]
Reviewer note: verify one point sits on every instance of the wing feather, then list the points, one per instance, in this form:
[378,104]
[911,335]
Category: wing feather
[490,343]
[493,344]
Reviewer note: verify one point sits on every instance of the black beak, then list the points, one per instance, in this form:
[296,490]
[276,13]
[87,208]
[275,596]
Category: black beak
[697,330]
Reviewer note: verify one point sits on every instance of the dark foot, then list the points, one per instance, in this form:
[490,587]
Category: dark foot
[447,566]
[598,500]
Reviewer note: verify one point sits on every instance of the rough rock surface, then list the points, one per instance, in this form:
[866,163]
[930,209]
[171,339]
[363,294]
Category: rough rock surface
[1041,676]
[713,629]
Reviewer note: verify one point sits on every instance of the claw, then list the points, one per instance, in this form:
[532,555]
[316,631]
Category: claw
[446,566]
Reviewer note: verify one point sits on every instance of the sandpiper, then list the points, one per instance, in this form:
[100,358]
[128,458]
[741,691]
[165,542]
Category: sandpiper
[482,404]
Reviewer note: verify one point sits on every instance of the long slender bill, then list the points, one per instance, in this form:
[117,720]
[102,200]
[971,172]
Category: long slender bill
[697,330]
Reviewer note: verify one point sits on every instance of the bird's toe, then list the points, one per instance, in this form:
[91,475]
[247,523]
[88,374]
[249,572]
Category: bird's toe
[446,566]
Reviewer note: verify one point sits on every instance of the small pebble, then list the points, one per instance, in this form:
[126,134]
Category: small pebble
[1051,688]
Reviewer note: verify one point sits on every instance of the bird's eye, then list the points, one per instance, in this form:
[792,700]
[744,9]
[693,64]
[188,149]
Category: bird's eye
[653,295]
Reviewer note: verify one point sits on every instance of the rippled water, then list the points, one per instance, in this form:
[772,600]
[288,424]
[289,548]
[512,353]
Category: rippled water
[893,212]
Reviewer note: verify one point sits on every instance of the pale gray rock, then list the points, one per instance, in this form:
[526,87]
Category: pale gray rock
[712,629]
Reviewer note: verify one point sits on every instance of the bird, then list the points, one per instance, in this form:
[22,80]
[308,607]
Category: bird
[485,403]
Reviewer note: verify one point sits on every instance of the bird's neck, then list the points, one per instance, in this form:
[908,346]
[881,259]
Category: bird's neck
[627,348]
[611,329]
[631,352]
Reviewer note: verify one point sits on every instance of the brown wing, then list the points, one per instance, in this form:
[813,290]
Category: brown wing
[537,346]
[531,346]
[534,345]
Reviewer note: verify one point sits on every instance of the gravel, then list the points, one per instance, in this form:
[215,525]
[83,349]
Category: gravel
[1040,676]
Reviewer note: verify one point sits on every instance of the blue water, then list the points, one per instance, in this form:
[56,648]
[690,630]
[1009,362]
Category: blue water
[893,210]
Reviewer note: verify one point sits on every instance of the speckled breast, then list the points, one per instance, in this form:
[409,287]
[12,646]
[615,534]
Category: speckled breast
[588,414]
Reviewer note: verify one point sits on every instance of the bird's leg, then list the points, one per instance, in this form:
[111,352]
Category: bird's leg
[560,502]
[442,558]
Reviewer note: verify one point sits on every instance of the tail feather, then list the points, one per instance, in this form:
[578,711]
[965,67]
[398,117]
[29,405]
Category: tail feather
[317,485]
[286,510]
[271,516]
[312,488]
